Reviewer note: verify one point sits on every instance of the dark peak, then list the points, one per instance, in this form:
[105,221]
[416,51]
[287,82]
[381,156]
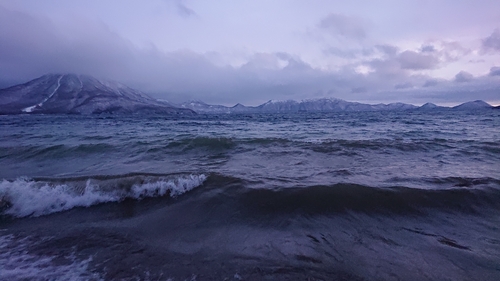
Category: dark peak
[473,105]
[480,102]
[429,104]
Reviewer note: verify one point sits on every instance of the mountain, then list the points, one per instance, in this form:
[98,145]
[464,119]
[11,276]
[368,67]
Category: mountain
[428,106]
[201,107]
[279,106]
[473,105]
[327,105]
[393,106]
[311,105]
[79,94]
[323,105]
[431,106]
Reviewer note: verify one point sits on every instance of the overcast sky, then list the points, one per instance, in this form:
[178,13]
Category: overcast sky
[227,51]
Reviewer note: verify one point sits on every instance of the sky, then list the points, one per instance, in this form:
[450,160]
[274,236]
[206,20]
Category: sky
[227,52]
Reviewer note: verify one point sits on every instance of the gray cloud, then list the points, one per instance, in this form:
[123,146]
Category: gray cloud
[388,49]
[453,51]
[359,90]
[386,68]
[349,53]
[416,61]
[492,42]
[483,87]
[344,26]
[431,83]
[32,46]
[495,71]
[463,76]
[406,85]
[427,49]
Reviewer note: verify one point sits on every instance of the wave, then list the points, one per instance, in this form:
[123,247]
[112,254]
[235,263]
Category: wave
[235,145]
[450,181]
[358,198]
[55,151]
[210,143]
[465,195]
[37,197]
[328,146]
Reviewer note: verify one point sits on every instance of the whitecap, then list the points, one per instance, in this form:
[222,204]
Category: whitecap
[25,197]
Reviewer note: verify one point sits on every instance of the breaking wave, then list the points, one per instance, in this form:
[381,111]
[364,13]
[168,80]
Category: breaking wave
[37,197]
[40,196]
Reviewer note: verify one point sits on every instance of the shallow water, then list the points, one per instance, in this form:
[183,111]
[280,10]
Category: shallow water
[348,196]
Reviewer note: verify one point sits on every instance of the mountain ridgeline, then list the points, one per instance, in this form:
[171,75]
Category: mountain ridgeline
[81,94]
[324,105]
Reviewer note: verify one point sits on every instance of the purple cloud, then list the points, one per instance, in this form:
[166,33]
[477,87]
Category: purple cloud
[416,61]
[492,42]
[495,71]
[463,76]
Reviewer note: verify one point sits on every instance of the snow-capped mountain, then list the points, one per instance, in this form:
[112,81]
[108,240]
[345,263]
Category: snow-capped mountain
[323,105]
[311,105]
[79,94]
[279,106]
[201,107]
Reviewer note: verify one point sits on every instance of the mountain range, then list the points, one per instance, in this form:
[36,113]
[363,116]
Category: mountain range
[81,94]
[323,105]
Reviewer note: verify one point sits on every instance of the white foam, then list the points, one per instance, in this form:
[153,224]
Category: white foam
[31,198]
[17,264]
[174,187]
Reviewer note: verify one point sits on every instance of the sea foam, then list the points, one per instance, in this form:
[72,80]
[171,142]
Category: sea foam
[25,197]
[25,266]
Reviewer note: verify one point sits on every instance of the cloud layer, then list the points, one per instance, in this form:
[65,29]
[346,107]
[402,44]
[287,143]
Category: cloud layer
[336,55]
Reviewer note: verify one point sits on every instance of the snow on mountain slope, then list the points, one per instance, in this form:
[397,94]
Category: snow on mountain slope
[310,105]
[79,94]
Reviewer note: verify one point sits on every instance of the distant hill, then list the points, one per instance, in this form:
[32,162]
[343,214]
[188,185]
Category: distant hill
[323,105]
[79,94]
[317,105]
[478,104]
[430,106]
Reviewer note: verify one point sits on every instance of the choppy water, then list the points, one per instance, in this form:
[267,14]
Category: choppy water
[346,196]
